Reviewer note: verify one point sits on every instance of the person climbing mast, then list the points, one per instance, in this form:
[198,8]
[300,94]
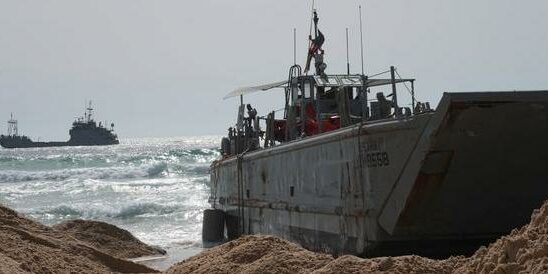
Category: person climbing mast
[315,50]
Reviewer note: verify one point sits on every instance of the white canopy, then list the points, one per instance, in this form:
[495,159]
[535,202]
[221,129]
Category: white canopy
[384,82]
[332,80]
[247,90]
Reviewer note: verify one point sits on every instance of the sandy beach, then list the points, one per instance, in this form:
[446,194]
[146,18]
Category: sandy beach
[36,248]
[259,137]
[81,246]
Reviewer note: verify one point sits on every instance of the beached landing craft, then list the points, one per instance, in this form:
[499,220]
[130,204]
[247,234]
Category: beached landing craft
[342,173]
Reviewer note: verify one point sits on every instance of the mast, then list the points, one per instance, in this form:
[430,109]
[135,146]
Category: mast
[363,90]
[294,46]
[311,20]
[394,92]
[361,37]
[315,19]
[12,126]
[89,112]
[315,50]
[347,56]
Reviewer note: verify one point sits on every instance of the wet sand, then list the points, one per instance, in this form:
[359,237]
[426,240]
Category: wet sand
[174,255]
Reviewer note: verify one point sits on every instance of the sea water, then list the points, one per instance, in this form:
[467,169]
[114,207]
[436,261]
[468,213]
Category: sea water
[154,188]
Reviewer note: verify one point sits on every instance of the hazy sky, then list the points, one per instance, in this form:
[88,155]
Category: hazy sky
[161,68]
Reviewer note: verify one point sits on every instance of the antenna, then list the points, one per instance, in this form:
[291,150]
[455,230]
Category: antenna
[347,58]
[294,46]
[361,37]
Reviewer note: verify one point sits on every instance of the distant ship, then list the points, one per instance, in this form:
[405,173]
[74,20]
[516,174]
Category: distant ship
[84,132]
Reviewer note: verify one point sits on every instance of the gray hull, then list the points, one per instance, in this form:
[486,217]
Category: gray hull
[9,142]
[434,184]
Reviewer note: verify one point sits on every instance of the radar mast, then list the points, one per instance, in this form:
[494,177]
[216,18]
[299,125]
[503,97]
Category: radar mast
[12,126]
[89,111]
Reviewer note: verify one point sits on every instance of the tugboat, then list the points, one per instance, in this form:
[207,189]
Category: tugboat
[344,173]
[84,132]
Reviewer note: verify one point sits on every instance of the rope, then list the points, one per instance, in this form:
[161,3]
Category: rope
[240,198]
[241,209]
[408,89]
[215,184]
[363,181]
[380,73]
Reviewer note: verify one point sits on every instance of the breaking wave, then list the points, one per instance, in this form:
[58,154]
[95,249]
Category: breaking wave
[125,212]
[143,171]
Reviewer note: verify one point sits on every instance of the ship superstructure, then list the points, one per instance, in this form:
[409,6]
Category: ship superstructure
[85,131]
[346,173]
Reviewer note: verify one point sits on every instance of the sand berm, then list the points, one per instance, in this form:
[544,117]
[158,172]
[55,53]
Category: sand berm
[28,246]
[95,247]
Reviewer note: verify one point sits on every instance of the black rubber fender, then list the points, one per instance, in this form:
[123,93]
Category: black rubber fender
[232,226]
[213,225]
[225,146]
